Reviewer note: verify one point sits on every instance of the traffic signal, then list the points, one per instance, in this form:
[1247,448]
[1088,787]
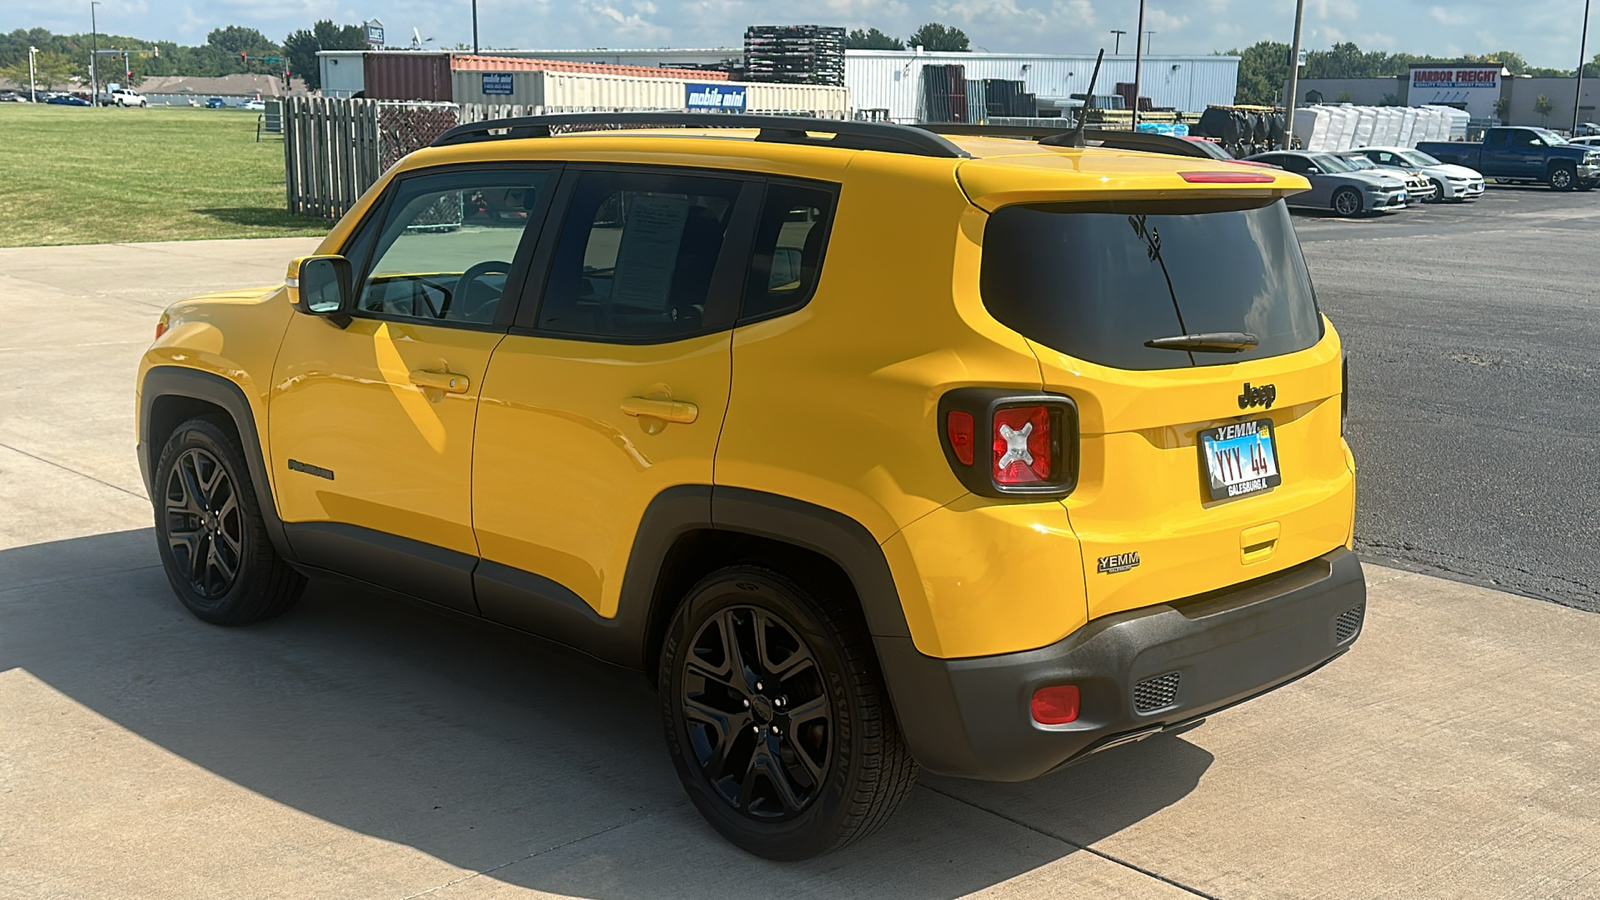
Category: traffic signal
[156,52]
[241,56]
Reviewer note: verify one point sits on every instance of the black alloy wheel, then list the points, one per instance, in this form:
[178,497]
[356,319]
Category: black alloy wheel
[203,525]
[210,533]
[776,716]
[759,719]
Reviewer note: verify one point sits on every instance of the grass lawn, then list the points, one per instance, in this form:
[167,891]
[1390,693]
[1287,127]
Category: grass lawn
[75,175]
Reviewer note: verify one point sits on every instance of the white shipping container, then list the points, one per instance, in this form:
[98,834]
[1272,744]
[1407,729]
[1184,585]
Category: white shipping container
[892,79]
[585,91]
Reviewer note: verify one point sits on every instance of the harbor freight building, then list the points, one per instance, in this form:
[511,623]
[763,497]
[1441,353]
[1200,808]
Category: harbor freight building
[899,86]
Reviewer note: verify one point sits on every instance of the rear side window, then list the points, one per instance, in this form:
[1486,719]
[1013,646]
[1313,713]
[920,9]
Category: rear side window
[787,259]
[636,255]
[1096,281]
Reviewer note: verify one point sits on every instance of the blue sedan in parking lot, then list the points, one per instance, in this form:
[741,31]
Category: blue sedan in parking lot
[68,100]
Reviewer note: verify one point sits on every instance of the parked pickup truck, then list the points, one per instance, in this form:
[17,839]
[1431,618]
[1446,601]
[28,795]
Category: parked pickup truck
[1527,155]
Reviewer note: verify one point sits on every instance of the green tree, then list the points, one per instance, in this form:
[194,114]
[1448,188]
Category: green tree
[236,39]
[871,39]
[301,47]
[1263,69]
[51,70]
[1502,107]
[939,38]
[1543,106]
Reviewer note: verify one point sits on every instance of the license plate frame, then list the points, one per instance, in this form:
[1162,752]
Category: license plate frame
[1231,450]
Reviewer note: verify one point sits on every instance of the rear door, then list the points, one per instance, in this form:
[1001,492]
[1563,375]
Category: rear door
[611,387]
[1089,285]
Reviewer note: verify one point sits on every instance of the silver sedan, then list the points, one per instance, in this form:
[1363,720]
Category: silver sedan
[1338,185]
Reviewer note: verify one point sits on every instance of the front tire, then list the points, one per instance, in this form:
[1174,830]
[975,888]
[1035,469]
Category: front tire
[776,718]
[1438,190]
[210,533]
[1347,202]
[1563,178]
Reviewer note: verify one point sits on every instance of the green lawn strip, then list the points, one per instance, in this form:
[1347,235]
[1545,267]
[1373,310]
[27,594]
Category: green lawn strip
[74,175]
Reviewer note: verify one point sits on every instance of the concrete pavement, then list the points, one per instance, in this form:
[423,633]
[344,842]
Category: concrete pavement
[356,748]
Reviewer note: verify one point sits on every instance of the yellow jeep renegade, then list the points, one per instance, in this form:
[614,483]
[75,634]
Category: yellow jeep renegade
[876,449]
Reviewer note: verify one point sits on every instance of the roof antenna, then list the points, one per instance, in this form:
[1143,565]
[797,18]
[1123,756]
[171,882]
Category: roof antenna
[1075,137]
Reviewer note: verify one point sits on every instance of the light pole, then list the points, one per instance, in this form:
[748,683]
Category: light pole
[1119,33]
[94,58]
[1294,76]
[1138,65]
[1147,36]
[33,92]
[474,27]
[1583,47]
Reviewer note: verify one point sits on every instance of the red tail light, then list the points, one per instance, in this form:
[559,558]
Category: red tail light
[958,428]
[1022,445]
[1055,705]
[1002,443]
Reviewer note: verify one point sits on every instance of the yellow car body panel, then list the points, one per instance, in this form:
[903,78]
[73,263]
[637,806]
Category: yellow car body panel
[554,437]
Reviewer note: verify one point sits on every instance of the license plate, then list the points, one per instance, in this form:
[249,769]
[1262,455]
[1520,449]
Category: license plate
[1239,459]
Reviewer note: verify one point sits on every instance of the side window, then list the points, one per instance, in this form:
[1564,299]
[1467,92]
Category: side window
[1387,158]
[1496,136]
[791,237]
[636,255]
[447,245]
[1297,164]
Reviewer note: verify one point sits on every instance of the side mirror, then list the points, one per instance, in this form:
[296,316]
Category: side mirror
[1313,170]
[323,286]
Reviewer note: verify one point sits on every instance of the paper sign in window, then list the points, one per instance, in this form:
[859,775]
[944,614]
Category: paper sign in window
[648,254]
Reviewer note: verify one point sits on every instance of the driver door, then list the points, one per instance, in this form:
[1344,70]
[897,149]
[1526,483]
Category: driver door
[372,423]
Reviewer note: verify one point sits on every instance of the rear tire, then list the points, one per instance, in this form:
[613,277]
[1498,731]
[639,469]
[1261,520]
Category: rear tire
[1347,202]
[210,533]
[776,717]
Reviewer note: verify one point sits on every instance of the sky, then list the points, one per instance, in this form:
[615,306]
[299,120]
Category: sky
[1545,32]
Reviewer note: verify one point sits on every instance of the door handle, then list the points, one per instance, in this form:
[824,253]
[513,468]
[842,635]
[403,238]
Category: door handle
[666,410]
[449,382]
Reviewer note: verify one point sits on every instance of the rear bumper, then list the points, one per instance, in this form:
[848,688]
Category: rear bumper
[971,718]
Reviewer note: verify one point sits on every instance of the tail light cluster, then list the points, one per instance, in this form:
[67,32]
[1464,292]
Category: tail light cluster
[1003,444]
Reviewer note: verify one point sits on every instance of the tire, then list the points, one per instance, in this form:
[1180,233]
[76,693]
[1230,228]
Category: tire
[822,725]
[1563,178]
[1347,202]
[1438,190]
[213,542]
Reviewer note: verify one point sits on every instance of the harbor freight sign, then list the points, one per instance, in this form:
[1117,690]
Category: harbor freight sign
[497,83]
[714,97]
[1455,78]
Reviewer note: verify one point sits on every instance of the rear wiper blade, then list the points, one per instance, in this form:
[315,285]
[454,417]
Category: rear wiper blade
[1209,342]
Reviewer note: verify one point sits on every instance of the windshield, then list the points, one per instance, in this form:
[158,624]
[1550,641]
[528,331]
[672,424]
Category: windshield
[1327,162]
[1418,158]
[1550,137]
[1097,281]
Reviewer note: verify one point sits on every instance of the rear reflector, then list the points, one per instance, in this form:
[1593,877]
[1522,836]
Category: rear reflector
[1226,177]
[959,428]
[1055,705]
[1022,445]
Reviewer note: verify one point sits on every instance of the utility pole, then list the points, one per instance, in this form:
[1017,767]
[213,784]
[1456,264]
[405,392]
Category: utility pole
[474,27]
[1583,47]
[1147,36]
[33,91]
[1138,65]
[94,58]
[1294,76]
[1119,33]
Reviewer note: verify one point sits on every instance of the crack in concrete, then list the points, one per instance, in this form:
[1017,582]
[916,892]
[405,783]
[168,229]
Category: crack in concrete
[1074,844]
[66,468]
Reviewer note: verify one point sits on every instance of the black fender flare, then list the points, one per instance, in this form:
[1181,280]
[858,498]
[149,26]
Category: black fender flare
[177,381]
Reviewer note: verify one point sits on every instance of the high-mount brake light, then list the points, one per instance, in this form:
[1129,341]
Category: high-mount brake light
[960,430]
[1226,177]
[1055,705]
[1022,446]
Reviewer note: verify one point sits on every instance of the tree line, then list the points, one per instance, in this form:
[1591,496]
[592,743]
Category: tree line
[64,58]
[1264,67]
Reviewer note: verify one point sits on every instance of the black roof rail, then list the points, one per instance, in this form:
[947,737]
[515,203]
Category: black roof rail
[848,135]
[1054,136]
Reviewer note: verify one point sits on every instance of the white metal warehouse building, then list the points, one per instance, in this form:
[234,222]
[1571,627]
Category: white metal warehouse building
[892,79]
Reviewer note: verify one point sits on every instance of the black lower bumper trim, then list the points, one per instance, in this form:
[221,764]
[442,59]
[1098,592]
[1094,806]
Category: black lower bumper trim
[970,717]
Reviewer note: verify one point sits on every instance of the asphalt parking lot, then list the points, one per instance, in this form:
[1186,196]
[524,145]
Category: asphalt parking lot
[358,749]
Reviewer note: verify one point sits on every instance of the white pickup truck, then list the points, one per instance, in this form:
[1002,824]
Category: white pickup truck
[124,97]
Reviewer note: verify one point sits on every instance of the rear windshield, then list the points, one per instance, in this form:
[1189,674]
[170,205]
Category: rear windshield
[1096,281]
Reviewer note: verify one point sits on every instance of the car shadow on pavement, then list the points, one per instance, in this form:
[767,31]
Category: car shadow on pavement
[492,751]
